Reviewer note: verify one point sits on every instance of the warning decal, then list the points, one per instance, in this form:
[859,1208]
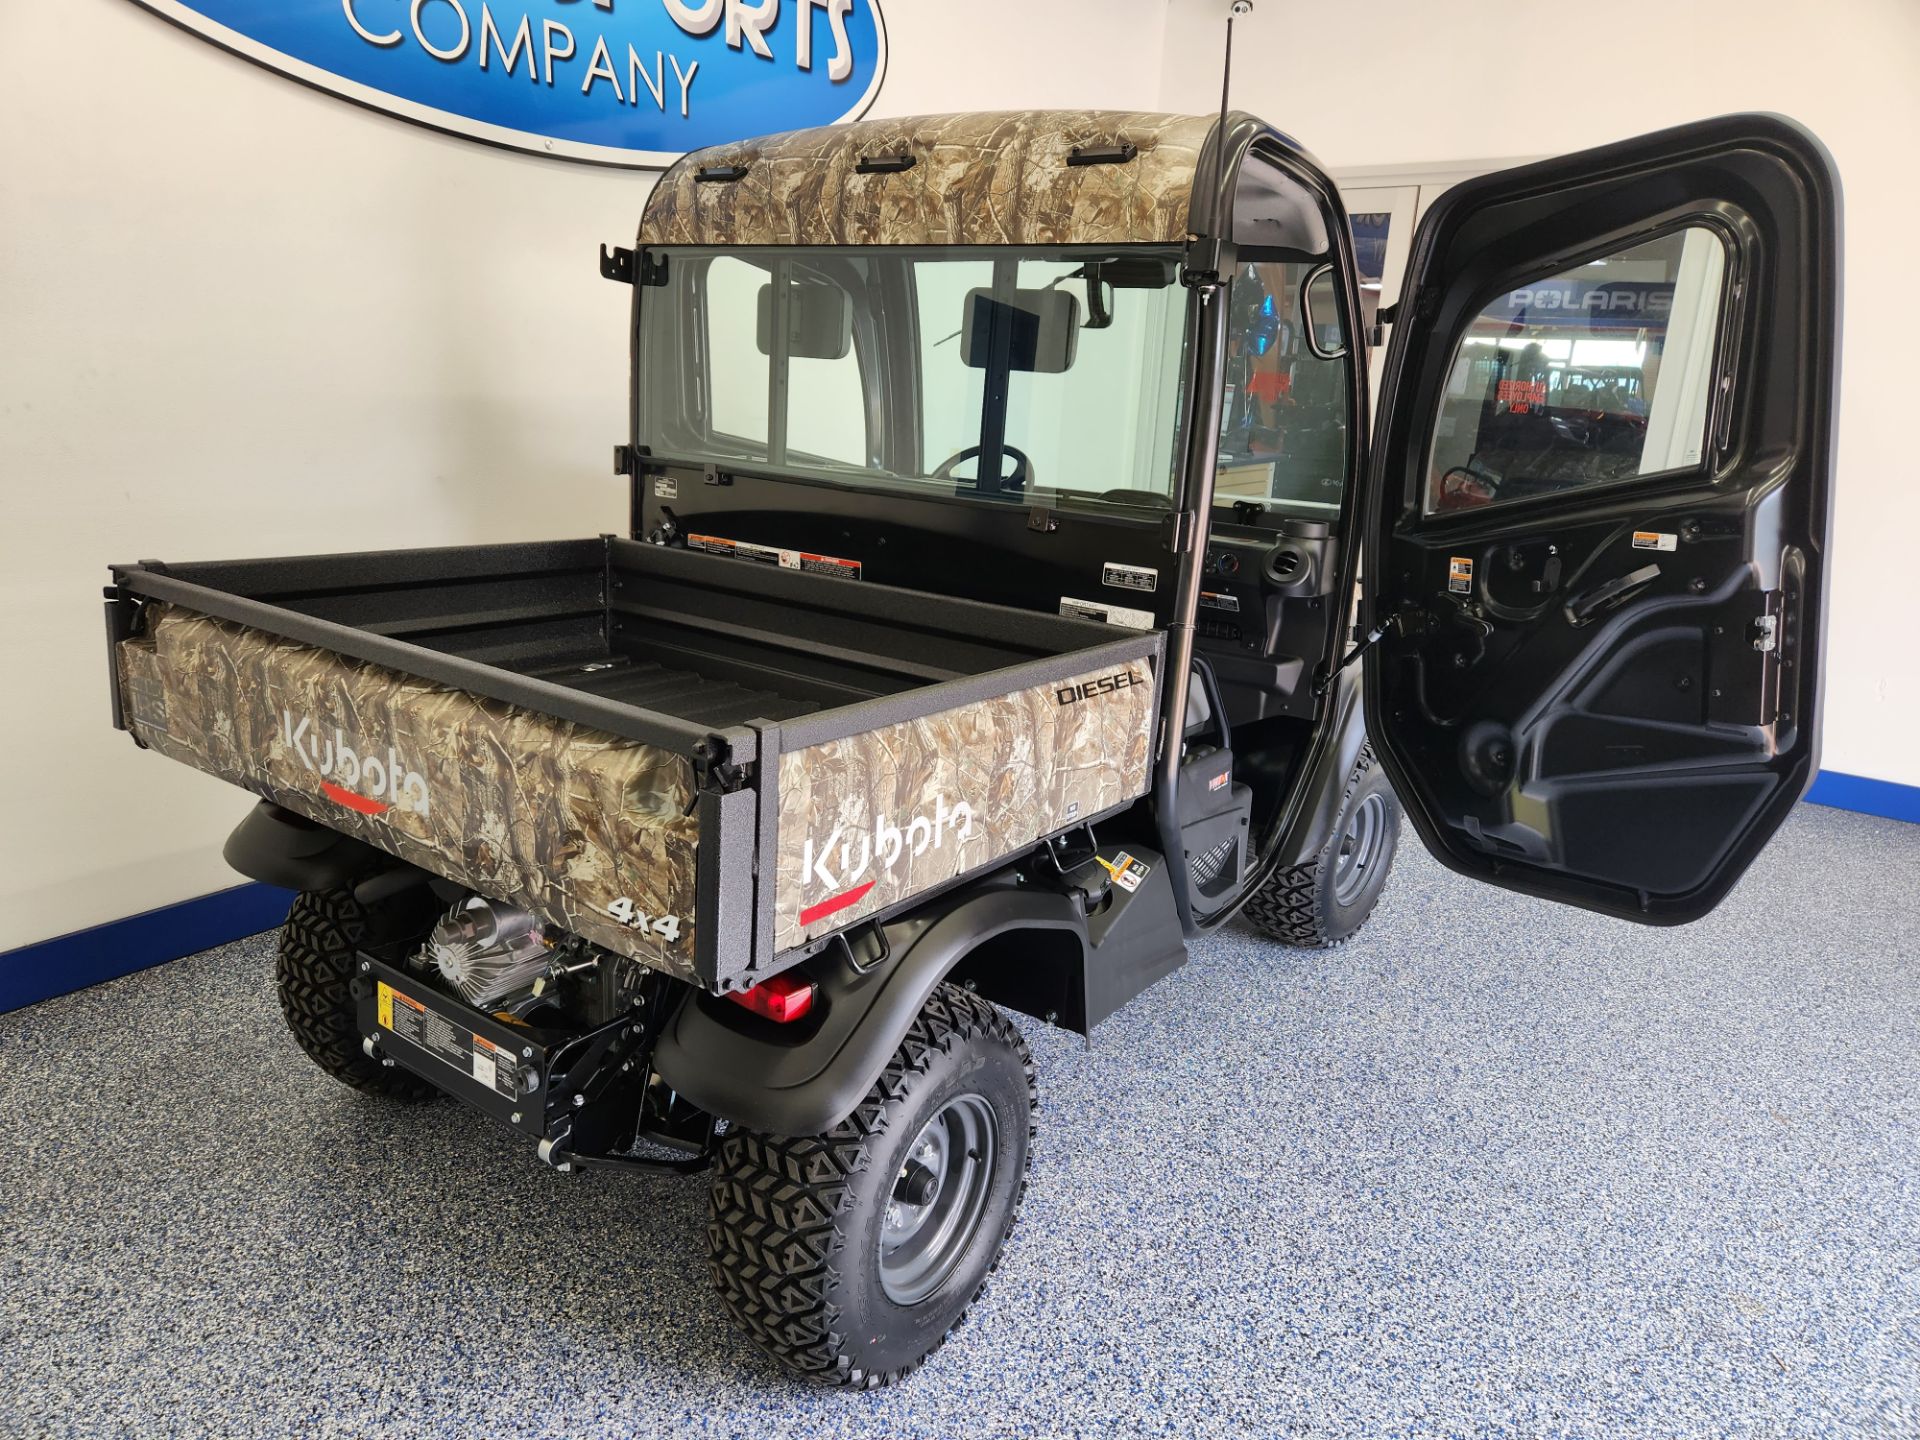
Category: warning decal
[1655,540]
[1127,872]
[1460,575]
[473,1055]
[804,560]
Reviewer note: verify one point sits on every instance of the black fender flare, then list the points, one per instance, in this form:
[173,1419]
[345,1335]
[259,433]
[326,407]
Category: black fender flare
[804,1078]
[281,848]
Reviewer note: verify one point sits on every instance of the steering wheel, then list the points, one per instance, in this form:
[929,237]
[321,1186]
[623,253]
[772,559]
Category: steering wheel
[1022,467]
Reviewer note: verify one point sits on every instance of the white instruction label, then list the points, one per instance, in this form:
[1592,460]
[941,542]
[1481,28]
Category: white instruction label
[1130,577]
[1655,540]
[1105,613]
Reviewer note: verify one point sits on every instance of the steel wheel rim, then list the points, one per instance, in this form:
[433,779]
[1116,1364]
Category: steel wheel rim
[1359,848]
[921,1244]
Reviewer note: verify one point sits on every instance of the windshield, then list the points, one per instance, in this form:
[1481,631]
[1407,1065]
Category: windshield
[996,374]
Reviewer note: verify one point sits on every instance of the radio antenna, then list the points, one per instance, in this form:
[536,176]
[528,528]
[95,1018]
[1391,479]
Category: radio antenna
[1239,8]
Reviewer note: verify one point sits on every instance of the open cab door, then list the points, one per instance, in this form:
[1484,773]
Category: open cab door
[1597,528]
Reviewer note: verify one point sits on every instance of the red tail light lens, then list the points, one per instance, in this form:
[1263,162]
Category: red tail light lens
[784,998]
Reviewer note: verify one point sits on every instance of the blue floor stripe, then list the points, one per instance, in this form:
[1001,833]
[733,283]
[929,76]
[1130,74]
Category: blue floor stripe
[1869,797]
[120,947]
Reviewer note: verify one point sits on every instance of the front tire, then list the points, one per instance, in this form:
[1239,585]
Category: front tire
[1323,903]
[849,1257]
[315,971]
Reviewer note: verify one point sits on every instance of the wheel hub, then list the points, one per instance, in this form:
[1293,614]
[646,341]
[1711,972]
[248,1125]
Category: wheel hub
[939,1194]
[1359,848]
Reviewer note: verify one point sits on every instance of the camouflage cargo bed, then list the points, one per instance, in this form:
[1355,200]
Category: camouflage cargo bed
[708,761]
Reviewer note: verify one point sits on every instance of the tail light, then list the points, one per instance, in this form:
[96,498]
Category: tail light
[784,998]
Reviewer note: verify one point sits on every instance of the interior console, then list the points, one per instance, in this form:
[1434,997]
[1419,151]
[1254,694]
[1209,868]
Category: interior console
[1262,616]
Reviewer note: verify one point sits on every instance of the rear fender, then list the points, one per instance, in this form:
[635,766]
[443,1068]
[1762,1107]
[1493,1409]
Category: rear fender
[805,1077]
[289,850]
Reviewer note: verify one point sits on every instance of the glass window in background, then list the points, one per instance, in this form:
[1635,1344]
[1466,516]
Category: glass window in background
[1600,374]
[1370,257]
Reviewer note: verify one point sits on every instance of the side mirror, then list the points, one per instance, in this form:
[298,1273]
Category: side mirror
[1320,310]
[819,321]
[1040,329]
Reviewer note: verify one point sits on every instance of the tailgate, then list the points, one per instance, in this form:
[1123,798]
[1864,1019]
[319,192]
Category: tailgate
[599,835]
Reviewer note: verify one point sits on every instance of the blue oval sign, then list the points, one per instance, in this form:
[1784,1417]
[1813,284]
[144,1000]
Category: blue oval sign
[617,82]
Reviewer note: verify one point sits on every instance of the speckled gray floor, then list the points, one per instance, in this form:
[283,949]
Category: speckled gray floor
[1497,1169]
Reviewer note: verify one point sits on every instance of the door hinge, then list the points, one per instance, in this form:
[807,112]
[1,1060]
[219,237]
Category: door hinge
[1176,532]
[625,462]
[1383,317]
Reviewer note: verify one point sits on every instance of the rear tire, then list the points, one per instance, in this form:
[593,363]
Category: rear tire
[315,969]
[1323,903]
[817,1245]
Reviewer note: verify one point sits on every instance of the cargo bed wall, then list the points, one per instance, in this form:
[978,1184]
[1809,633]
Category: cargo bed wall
[743,757]
[868,820]
[552,815]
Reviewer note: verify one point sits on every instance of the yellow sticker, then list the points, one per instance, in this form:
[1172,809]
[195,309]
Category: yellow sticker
[1460,575]
[386,1006]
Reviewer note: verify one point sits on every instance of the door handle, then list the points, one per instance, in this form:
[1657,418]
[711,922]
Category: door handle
[1584,606]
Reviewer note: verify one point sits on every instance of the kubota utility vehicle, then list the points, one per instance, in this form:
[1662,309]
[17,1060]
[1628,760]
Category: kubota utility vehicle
[999,488]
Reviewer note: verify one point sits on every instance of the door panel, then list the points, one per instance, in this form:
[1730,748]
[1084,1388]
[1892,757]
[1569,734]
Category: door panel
[1599,515]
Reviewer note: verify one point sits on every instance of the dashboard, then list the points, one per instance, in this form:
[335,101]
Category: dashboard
[1262,621]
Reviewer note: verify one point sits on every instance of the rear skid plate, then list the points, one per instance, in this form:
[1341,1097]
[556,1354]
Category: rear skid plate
[578,1094]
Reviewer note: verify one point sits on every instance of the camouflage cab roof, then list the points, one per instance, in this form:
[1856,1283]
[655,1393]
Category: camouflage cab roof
[977,179]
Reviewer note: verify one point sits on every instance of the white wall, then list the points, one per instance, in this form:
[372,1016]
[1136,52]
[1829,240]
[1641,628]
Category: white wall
[239,317]
[1403,83]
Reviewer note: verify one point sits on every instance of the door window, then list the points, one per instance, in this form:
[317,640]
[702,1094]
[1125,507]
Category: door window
[1283,435]
[1599,374]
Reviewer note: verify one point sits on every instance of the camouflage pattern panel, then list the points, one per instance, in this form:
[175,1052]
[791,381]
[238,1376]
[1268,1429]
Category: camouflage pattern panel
[516,805]
[977,180]
[876,818]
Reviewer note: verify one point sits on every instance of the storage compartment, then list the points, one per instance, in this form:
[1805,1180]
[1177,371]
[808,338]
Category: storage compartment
[708,763]
[714,641]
